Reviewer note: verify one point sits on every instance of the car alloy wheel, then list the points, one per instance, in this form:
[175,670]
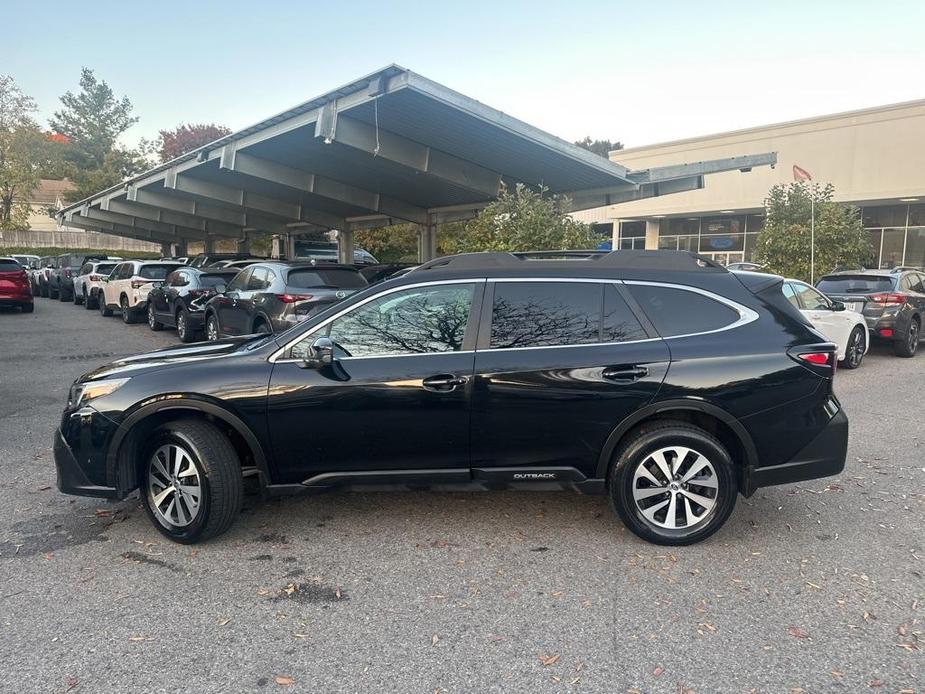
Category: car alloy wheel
[126,314]
[675,488]
[913,337]
[212,329]
[181,325]
[854,352]
[174,486]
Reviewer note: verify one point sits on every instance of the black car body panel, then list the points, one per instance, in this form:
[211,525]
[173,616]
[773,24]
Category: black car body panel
[483,414]
[188,289]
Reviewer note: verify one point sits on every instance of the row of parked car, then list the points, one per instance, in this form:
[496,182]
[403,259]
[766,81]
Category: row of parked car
[208,296]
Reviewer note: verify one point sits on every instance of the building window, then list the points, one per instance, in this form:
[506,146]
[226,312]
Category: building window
[891,251]
[915,246]
[885,216]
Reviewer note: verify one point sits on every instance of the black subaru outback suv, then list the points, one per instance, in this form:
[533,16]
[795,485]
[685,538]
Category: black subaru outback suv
[655,377]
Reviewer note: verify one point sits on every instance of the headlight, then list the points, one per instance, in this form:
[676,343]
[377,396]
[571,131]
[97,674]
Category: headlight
[82,393]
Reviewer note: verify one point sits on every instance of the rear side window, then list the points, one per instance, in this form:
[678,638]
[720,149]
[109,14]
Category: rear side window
[156,272]
[681,312]
[9,265]
[215,280]
[854,284]
[103,268]
[339,278]
[547,314]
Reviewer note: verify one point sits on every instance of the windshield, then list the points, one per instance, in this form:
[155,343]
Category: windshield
[320,277]
[216,279]
[156,272]
[855,284]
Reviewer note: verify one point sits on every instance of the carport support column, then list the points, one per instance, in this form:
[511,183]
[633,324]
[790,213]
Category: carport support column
[166,250]
[652,226]
[427,241]
[244,245]
[208,245]
[179,249]
[345,246]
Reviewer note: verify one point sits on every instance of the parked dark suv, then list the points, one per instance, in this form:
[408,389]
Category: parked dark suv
[180,300]
[891,301]
[656,377]
[270,297]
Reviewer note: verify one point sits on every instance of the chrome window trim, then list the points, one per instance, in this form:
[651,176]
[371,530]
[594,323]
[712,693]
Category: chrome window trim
[276,357]
[746,315]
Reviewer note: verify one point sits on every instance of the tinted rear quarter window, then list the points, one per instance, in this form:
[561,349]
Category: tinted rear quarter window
[104,268]
[215,280]
[855,284]
[340,278]
[156,272]
[681,312]
[9,266]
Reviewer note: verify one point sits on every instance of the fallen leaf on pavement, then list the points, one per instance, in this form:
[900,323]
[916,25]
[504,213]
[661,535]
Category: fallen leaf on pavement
[658,671]
[548,660]
[223,622]
[797,633]
[69,683]
[434,640]
[284,681]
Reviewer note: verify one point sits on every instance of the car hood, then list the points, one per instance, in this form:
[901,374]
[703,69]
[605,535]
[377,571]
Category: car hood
[171,356]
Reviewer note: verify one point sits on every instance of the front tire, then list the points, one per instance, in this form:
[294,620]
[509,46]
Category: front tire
[153,322]
[183,330]
[854,350]
[910,345]
[105,311]
[673,483]
[88,302]
[78,298]
[191,482]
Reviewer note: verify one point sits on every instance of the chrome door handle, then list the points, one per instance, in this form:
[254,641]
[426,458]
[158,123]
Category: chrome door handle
[619,373]
[444,382]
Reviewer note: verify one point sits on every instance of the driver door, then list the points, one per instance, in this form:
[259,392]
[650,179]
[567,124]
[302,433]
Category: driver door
[397,395]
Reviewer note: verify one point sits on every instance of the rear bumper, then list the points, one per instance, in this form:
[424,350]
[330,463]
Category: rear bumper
[822,457]
[72,478]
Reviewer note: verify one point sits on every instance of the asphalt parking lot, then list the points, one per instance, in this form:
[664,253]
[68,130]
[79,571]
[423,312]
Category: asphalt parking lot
[814,587]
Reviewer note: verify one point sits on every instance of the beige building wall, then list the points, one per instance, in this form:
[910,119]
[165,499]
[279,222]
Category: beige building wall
[875,155]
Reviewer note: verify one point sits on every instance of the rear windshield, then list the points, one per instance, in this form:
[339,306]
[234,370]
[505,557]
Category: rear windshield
[215,280]
[9,265]
[341,278]
[105,267]
[854,284]
[156,272]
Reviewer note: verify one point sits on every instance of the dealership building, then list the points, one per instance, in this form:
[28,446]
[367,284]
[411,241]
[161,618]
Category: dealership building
[875,158]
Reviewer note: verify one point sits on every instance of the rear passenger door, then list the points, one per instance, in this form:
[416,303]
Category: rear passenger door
[559,364]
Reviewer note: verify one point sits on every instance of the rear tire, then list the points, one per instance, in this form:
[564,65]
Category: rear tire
[128,316]
[153,322]
[191,481]
[261,328]
[52,294]
[688,504]
[183,331]
[105,311]
[908,346]
[854,350]
[88,302]
[63,296]
[213,332]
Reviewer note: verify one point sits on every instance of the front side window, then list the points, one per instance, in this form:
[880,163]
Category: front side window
[676,312]
[420,320]
[259,280]
[240,280]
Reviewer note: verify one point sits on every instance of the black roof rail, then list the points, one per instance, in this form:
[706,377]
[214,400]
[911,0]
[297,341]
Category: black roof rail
[630,259]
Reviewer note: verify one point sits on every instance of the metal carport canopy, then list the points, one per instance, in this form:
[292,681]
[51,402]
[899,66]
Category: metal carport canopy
[391,147]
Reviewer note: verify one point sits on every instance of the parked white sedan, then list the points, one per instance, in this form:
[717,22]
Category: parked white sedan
[845,328]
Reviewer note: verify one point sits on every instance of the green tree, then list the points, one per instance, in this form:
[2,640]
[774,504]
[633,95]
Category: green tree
[783,246]
[392,244]
[600,147]
[92,121]
[25,154]
[521,219]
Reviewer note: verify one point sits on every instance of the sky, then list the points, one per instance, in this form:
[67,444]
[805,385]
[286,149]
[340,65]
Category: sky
[635,72]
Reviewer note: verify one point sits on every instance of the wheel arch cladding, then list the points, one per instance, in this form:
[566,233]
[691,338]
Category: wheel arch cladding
[710,418]
[132,436]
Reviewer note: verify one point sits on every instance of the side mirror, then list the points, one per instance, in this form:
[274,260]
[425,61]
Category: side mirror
[322,353]
[838,306]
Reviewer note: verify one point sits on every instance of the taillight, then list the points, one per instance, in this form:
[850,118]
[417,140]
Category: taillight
[821,361]
[67,272]
[196,293]
[95,278]
[890,298]
[292,298]
[138,284]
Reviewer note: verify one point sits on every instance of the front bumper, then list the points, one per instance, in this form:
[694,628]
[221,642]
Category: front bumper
[824,456]
[72,478]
